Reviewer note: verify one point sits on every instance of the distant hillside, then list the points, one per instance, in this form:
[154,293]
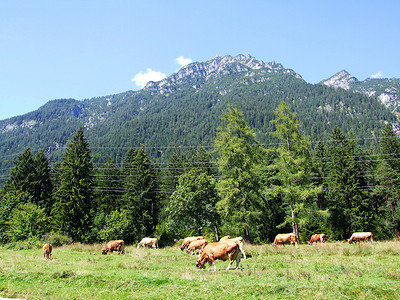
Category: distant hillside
[185,109]
[386,90]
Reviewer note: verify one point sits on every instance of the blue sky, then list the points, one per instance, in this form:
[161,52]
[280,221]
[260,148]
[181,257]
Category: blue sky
[83,49]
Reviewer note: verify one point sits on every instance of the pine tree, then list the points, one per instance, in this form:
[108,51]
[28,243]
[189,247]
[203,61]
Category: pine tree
[347,199]
[73,204]
[44,185]
[141,198]
[238,187]
[31,174]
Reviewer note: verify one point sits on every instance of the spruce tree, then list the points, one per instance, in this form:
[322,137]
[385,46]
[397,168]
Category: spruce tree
[347,199]
[73,198]
[141,196]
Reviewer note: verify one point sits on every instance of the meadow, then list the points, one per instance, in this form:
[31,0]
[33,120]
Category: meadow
[77,271]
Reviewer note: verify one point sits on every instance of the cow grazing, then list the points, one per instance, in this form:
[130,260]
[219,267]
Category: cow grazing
[195,245]
[115,245]
[47,248]
[285,238]
[317,237]
[221,251]
[239,240]
[361,236]
[149,242]
[188,240]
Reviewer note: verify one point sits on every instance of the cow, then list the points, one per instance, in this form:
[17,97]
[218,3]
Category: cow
[150,242]
[188,240]
[197,244]
[361,236]
[285,238]
[239,240]
[115,245]
[47,248]
[317,237]
[221,251]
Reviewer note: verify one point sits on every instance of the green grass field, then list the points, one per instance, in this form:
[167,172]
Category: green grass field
[77,271]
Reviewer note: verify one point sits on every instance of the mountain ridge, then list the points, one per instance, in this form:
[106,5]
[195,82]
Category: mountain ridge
[185,109]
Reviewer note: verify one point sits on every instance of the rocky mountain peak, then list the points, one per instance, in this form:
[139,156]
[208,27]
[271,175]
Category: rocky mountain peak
[341,79]
[201,72]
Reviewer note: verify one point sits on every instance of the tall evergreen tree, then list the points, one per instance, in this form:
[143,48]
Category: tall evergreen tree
[238,187]
[347,199]
[44,185]
[31,174]
[386,192]
[292,165]
[72,209]
[22,176]
[141,197]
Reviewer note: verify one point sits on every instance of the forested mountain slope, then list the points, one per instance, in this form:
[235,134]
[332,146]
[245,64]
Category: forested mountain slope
[185,109]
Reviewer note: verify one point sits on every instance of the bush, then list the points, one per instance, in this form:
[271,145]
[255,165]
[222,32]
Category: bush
[56,239]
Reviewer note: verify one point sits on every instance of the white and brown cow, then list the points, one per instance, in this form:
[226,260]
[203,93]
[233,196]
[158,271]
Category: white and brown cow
[196,245]
[238,240]
[220,250]
[317,237]
[188,240]
[285,238]
[149,242]
[361,236]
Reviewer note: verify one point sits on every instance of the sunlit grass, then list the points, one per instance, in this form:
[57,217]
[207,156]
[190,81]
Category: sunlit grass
[77,271]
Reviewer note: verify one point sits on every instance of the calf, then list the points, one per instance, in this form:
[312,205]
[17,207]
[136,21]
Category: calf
[195,245]
[115,245]
[150,242]
[285,238]
[188,240]
[361,236]
[47,248]
[317,237]
[220,250]
[238,240]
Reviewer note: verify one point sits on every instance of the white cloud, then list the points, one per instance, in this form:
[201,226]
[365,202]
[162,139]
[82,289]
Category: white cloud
[377,75]
[183,61]
[141,79]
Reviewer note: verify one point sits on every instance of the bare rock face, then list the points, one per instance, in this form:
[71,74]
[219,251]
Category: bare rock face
[340,80]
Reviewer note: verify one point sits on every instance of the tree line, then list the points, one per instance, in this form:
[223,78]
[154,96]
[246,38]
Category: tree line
[240,187]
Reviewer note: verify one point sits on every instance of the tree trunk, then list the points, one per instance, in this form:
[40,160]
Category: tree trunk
[216,233]
[294,224]
[396,229]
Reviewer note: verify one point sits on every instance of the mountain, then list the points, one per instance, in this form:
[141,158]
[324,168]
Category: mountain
[185,109]
[386,90]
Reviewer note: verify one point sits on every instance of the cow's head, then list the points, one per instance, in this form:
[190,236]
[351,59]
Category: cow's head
[200,263]
[104,251]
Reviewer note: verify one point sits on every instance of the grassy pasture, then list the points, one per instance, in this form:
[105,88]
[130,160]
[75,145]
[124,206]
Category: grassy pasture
[334,271]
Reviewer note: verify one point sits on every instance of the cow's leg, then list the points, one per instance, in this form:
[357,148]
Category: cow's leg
[229,266]
[244,254]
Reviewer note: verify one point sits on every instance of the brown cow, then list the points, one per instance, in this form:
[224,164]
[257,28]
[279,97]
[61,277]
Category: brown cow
[220,250]
[150,242]
[47,248]
[115,245]
[317,237]
[361,236]
[239,240]
[197,244]
[285,238]
[188,240]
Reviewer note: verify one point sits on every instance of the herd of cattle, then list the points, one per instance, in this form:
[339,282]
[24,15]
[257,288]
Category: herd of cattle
[227,248]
